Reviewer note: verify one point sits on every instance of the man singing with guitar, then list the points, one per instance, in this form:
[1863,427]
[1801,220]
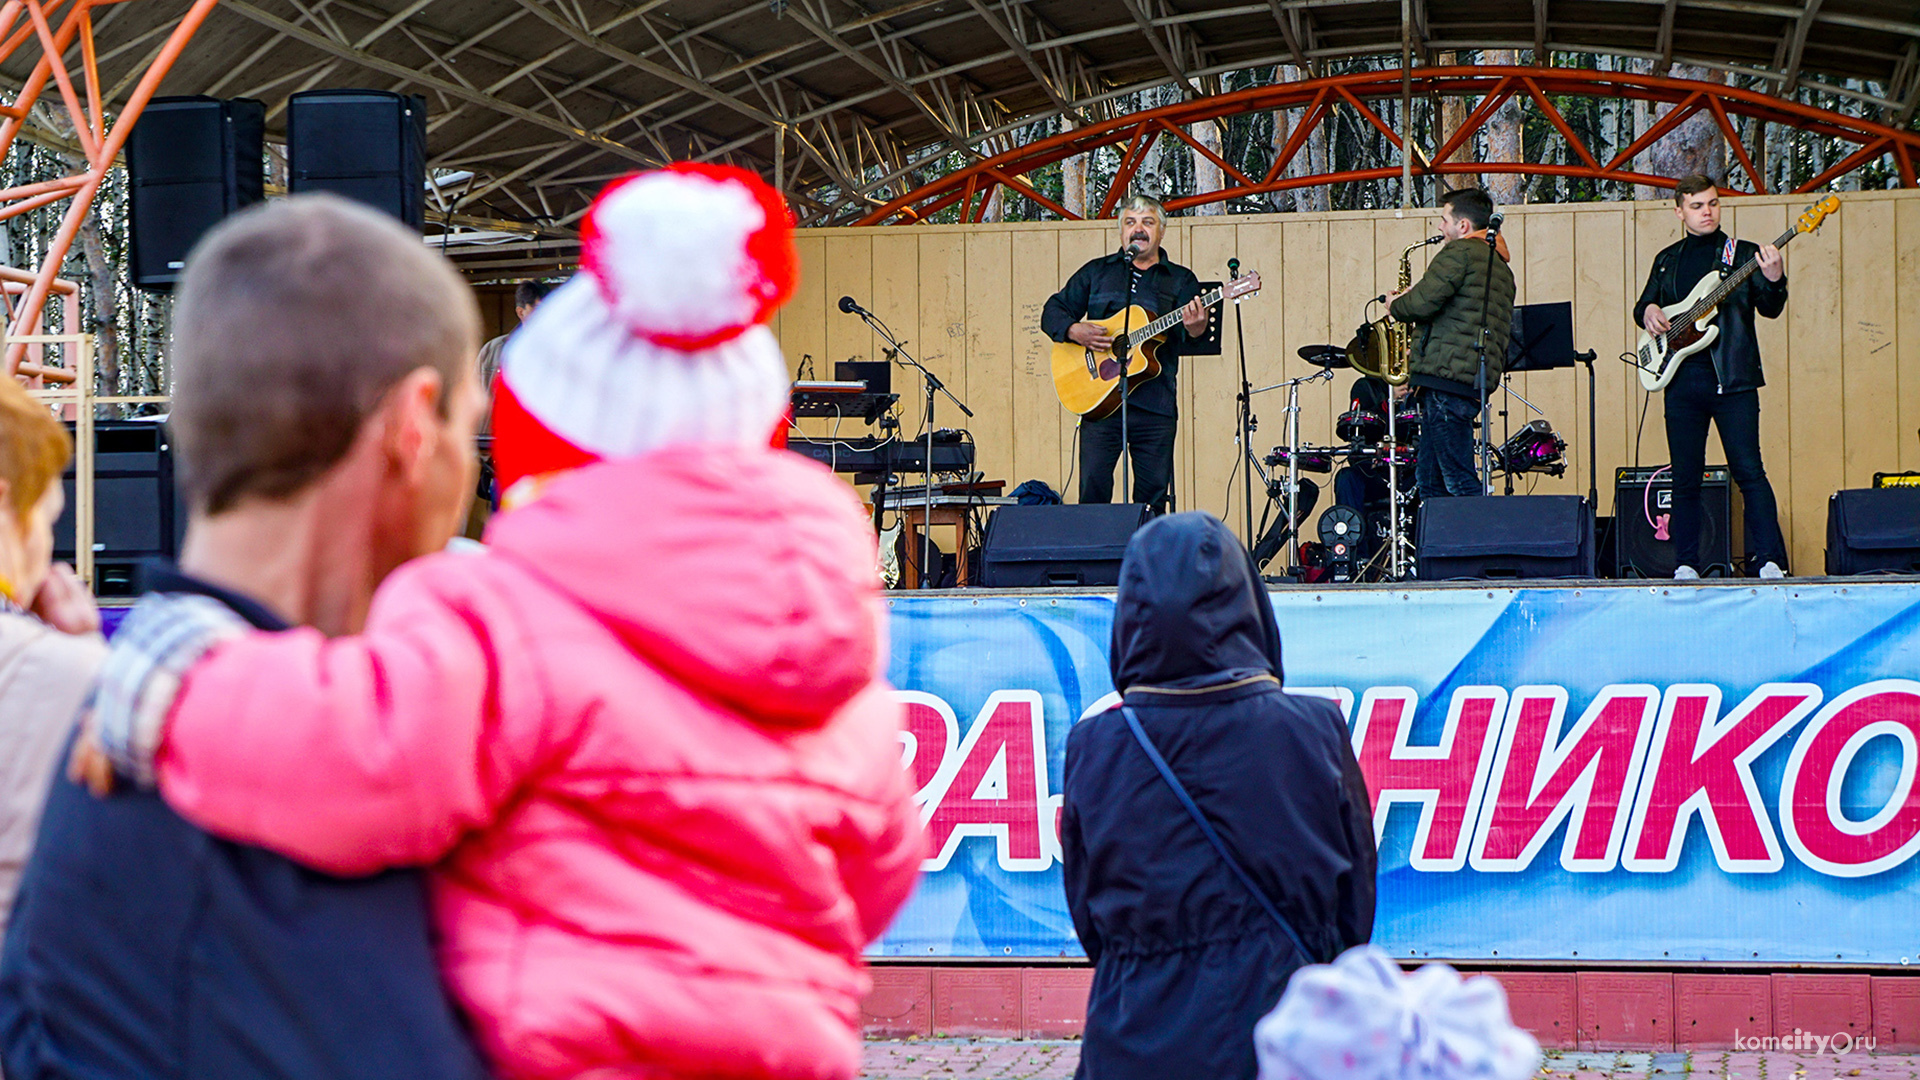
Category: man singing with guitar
[1721,383]
[1140,273]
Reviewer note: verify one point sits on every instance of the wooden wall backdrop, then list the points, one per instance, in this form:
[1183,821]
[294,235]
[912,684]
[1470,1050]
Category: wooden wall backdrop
[1843,365]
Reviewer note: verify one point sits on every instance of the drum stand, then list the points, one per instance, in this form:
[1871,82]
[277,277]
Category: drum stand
[1293,451]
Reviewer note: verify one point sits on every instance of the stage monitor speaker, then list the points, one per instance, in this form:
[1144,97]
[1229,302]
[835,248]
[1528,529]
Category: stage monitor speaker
[1873,530]
[368,145]
[1037,546]
[191,162]
[1642,510]
[137,512]
[1512,536]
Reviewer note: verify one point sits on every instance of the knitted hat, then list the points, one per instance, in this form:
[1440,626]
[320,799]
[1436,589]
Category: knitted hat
[1359,1018]
[661,340]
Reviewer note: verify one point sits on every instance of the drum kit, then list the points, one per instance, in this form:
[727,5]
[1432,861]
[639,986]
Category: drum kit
[1373,542]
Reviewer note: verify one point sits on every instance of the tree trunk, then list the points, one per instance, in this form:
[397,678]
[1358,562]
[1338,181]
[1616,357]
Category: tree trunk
[1504,130]
[1697,145]
[1073,178]
[1207,176]
[106,307]
[1454,111]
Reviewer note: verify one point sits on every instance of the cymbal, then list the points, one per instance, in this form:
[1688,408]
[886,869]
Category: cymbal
[1326,356]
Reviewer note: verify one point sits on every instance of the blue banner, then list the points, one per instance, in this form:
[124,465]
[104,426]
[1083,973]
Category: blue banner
[1594,773]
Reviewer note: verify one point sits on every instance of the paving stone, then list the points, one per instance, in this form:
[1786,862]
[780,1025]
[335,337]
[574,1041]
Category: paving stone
[1035,1059]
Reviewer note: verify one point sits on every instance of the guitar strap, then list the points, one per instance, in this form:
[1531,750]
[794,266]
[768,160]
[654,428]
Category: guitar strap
[1726,257]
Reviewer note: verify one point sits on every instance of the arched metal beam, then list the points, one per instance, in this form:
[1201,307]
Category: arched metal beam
[973,186]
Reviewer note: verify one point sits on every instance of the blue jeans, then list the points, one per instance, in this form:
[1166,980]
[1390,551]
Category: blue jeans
[1693,399]
[1446,463]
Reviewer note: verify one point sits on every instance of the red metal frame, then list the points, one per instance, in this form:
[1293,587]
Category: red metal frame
[973,186]
[30,23]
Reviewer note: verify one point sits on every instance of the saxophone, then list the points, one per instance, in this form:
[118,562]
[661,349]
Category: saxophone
[1388,340]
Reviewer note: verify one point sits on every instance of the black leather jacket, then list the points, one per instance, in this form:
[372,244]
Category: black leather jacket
[1736,353]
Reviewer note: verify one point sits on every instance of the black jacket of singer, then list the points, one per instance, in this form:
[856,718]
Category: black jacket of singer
[1185,959]
[1736,352]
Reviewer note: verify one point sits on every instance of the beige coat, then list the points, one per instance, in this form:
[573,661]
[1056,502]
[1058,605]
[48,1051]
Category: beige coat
[44,675]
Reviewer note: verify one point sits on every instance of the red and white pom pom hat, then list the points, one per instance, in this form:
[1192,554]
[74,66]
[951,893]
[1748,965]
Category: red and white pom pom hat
[662,339]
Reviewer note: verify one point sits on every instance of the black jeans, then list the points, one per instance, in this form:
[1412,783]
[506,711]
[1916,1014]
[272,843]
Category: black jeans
[1151,439]
[1446,463]
[1693,399]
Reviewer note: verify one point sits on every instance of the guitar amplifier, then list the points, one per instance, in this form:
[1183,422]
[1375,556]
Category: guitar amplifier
[1643,509]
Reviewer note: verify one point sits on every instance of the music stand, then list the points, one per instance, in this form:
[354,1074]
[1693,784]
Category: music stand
[1543,341]
[1207,344]
[1542,337]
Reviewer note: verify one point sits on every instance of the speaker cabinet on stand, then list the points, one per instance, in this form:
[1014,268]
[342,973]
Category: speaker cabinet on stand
[1643,513]
[366,145]
[1505,536]
[138,514]
[191,162]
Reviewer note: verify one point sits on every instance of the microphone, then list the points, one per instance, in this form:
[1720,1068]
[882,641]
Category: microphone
[1132,250]
[847,305]
[1493,223]
[1233,268]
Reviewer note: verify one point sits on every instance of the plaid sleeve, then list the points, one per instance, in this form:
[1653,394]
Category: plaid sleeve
[163,637]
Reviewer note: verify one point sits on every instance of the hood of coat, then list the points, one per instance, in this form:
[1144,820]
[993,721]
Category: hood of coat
[1191,611]
[746,574]
[1499,243]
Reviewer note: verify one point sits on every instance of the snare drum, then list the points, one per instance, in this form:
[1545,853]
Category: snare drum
[1361,426]
[1312,459]
[1406,424]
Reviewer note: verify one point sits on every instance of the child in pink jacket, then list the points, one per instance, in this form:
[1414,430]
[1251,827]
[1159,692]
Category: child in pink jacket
[644,738]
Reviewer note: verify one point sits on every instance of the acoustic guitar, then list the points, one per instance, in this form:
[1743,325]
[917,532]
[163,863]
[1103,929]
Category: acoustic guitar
[1692,328]
[1088,379]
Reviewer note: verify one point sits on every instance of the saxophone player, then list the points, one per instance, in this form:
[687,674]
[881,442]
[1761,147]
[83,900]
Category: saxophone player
[1464,290]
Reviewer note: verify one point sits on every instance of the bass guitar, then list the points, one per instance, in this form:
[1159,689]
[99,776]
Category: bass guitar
[1088,379]
[1691,322]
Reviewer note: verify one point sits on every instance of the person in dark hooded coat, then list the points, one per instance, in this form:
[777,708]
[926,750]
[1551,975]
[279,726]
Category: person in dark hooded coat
[1186,960]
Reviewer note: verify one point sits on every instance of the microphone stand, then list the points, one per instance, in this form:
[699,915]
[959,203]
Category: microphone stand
[1246,403]
[1480,380]
[1123,346]
[933,384]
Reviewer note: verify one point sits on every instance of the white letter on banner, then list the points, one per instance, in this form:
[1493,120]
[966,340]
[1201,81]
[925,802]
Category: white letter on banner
[996,785]
[1445,780]
[1702,765]
[1584,775]
[1817,828]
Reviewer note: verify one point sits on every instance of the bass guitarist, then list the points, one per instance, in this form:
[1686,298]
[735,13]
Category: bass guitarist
[1720,384]
[1139,273]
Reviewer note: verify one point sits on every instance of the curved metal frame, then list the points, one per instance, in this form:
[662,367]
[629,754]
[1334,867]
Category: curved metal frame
[973,186]
[29,23]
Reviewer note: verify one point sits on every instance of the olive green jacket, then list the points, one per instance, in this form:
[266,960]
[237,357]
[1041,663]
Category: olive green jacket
[1461,291]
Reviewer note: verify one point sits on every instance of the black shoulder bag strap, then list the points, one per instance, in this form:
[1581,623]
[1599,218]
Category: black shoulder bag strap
[1213,837]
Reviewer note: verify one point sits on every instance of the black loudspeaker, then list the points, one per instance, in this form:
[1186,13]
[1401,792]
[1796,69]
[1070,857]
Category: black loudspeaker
[1874,529]
[191,161]
[1512,536]
[367,145]
[137,512]
[1642,507]
[1037,546]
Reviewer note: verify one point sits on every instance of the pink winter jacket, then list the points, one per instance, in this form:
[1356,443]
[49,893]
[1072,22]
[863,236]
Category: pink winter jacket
[644,738]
